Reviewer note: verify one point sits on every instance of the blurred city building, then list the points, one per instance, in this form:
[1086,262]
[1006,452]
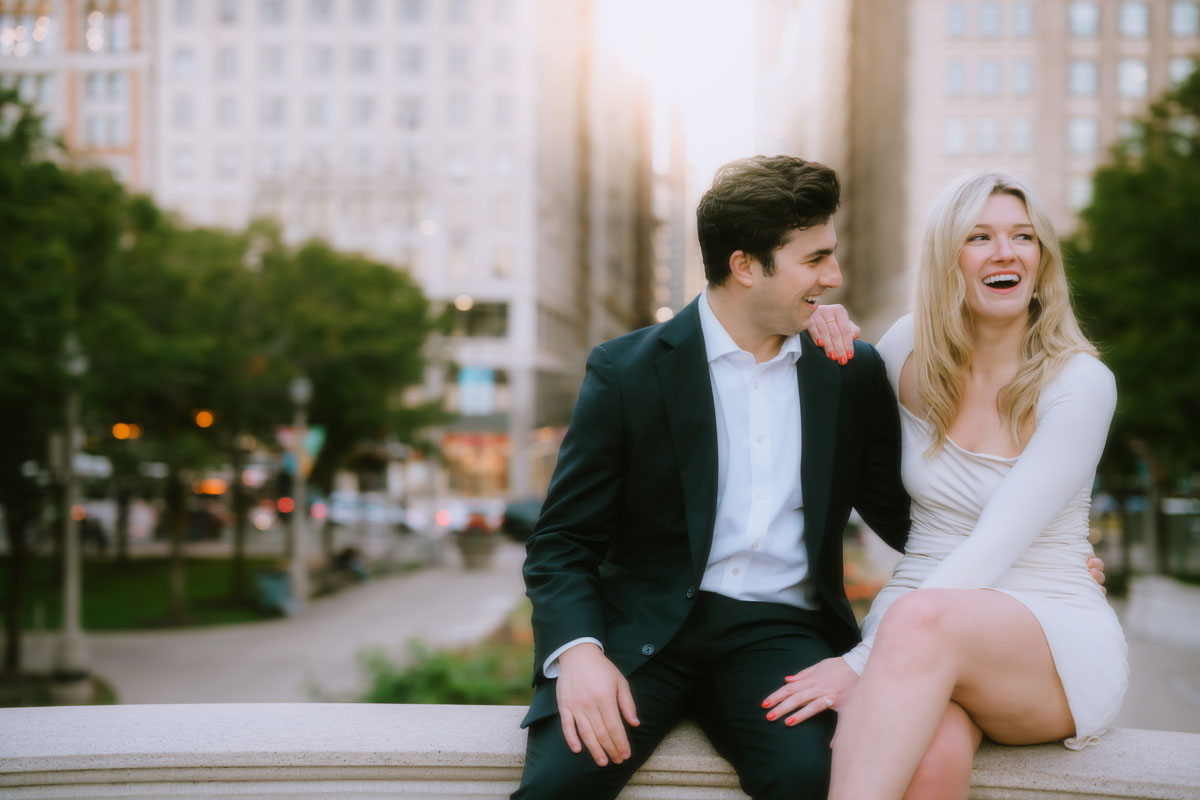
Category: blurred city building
[901,96]
[494,148]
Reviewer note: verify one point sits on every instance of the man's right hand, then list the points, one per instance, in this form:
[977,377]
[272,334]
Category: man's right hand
[593,697]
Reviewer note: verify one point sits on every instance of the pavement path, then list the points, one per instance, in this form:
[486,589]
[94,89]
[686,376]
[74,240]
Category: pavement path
[312,656]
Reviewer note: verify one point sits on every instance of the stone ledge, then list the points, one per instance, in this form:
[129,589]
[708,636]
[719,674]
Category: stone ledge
[305,751]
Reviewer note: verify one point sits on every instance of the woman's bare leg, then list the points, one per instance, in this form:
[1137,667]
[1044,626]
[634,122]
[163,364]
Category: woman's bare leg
[982,649]
[945,770]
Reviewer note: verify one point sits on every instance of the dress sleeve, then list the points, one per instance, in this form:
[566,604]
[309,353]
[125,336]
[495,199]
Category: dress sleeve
[1072,425]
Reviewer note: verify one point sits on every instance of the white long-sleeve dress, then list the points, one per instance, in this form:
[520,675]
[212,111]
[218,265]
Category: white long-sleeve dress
[1019,526]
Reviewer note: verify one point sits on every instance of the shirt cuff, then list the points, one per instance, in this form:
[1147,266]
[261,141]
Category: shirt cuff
[857,658]
[550,668]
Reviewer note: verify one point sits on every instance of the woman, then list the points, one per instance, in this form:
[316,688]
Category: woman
[1004,409]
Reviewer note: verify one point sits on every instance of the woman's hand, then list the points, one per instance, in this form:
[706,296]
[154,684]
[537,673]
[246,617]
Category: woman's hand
[830,327]
[825,685]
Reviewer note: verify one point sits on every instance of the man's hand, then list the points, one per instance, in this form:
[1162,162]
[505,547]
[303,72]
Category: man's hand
[830,327]
[593,697]
[1096,569]
[825,685]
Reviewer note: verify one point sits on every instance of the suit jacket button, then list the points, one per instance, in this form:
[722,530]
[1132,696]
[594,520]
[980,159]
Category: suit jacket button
[691,592]
[647,649]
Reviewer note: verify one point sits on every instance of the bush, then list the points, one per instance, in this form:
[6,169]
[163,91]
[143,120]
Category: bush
[493,673]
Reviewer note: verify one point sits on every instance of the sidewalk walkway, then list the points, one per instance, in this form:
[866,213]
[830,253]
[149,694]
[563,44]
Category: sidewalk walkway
[313,656]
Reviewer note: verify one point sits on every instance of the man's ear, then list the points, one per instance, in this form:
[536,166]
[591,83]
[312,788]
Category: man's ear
[741,268]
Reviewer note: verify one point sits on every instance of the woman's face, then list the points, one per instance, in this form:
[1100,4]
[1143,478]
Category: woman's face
[999,260]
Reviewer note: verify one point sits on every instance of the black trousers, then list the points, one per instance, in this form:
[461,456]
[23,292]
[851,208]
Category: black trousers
[729,655]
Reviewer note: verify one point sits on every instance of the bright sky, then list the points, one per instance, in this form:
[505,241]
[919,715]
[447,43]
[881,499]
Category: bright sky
[701,53]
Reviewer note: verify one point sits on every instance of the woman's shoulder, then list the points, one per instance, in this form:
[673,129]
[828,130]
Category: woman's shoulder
[896,346]
[1085,378]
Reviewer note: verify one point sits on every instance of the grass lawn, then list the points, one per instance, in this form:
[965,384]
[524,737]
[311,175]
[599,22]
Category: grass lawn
[136,595]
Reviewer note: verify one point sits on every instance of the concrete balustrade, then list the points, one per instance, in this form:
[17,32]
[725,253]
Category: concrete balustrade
[311,751]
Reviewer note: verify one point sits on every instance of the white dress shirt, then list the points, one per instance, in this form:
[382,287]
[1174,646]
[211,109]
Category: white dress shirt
[757,551]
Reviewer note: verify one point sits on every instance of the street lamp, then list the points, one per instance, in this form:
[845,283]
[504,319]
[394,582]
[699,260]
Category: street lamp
[71,680]
[300,390]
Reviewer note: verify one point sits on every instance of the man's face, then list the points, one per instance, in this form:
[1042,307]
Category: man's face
[805,266]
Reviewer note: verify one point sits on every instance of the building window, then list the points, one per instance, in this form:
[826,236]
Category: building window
[408,113]
[226,163]
[320,11]
[457,110]
[460,11]
[183,162]
[1022,77]
[182,112]
[93,85]
[504,162]
[458,166]
[989,78]
[1083,19]
[1133,19]
[1023,19]
[956,137]
[362,61]
[118,130]
[1082,77]
[502,60]
[226,111]
[273,111]
[505,10]
[185,13]
[410,10]
[956,79]
[44,90]
[956,21]
[987,136]
[270,61]
[458,60]
[1185,18]
[1079,192]
[362,110]
[272,12]
[1179,69]
[226,62]
[183,63]
[320,61]
[502,113]
[1083,135]
[1022,136]
[320,111]
[362,161]
[1132,77]
[482,319]
[227,12]
[410,59]
[363,11]
[1128,129]
[989,20]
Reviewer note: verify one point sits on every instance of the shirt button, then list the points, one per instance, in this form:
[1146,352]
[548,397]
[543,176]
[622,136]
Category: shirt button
[647,649]
[761,494]
[736,571]
[758,438]
[754,545]
[755,384]
[690,593]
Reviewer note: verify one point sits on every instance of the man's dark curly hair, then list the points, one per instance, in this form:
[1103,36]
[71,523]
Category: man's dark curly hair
[755,203]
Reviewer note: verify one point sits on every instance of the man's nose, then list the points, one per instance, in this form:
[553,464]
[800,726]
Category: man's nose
[832,276]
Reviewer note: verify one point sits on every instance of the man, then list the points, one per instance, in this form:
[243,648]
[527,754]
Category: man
[688,555]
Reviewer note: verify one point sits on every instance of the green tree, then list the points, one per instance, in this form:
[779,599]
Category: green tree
[1135,256]
[60,231]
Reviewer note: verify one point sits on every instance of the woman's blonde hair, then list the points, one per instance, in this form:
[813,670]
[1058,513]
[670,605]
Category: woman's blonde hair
[942,348]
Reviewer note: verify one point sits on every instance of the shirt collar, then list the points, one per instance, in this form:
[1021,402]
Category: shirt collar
[718,342]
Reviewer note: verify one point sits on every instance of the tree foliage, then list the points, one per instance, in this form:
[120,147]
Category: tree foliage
[1135,259]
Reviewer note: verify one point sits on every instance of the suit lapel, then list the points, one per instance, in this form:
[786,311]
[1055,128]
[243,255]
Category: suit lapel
[819,388]
[688,404]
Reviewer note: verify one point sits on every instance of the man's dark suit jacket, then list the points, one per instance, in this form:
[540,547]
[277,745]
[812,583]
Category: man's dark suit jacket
[624,535]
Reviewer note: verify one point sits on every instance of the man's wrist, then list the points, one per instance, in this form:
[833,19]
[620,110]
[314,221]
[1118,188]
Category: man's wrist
[550,667]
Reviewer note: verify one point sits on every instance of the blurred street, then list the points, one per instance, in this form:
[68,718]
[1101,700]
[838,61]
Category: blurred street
[313,656]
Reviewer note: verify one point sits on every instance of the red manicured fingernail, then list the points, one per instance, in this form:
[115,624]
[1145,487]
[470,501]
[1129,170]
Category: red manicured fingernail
[791,721]
[820,343]
[772,715]
[766,703]
[842,361]
[849,354]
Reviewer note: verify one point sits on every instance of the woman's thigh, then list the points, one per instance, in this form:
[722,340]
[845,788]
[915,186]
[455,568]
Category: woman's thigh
[1004,672]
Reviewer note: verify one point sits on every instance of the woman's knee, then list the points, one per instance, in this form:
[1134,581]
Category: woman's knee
[919,614]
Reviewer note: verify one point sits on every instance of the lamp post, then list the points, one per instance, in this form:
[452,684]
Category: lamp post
[71,680]
[301,393]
